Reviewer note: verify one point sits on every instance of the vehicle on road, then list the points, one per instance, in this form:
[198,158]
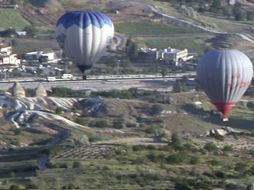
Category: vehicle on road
[51,79]
[67,76]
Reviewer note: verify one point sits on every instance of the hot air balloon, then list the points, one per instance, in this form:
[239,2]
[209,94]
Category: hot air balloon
[224,75]
[84,36]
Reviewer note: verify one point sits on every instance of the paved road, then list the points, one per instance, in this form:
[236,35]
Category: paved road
[101,85]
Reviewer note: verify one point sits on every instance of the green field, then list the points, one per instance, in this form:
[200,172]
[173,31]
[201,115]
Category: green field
[192,44]
[145,28]
[12,19]
[64,2]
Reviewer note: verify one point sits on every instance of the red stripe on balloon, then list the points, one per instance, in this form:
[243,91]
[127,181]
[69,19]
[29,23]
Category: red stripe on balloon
[224,108]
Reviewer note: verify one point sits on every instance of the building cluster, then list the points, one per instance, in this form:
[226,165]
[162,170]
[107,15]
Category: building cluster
[168,55]
[9,60]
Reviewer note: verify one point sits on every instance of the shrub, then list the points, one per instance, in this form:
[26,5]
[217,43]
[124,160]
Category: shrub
[214,162]
[151,130]
[101,124]
[218,137]
[220,174]
[61,92]
[176,158]
[138,148]
[58,110]
[150,147]
[227,148]
[118,123]
[176,141]
[152,157]
[76,165]
[211,147]
[17,131]
[139,160]
[156,109]
[194,160]
[32,186]
[15,187]
[250,171]
[182,186]
[124,94]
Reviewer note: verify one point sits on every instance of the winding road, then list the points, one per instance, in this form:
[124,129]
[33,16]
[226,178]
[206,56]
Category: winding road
[155,10]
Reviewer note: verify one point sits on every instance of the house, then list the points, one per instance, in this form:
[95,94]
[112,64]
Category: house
[21,33]
[5,49]
[7,58]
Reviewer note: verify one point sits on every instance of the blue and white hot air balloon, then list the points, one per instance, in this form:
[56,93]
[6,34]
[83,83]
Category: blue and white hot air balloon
[84,36]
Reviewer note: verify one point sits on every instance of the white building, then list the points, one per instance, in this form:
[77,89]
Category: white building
[5,49]
[7,59]
[175,56]
[21,33]
[169,55]
[36,55]
[10,59]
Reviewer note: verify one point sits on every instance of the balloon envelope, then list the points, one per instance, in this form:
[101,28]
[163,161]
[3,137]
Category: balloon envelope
[83,36]
[224,75]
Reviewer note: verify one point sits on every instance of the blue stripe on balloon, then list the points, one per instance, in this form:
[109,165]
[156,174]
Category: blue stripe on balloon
[89,17]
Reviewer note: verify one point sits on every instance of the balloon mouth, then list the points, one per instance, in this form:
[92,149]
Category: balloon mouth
[83,68]
[224,108]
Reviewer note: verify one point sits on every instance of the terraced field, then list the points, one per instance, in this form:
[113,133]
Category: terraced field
[10,18]
[86,152]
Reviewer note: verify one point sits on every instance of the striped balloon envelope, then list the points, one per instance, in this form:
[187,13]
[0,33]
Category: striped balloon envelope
[224,75]
[84,36]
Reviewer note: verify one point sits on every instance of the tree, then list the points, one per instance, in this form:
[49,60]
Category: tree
[239,14]
[180,85]
[227,11]
[176,141]
[31,30]
[8,33]
[76,165]
[156,109]
[216,5]
[128,42]
[250,15]
[164,72]
[132,50]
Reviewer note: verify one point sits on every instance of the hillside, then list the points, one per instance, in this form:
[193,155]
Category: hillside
[146,141]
